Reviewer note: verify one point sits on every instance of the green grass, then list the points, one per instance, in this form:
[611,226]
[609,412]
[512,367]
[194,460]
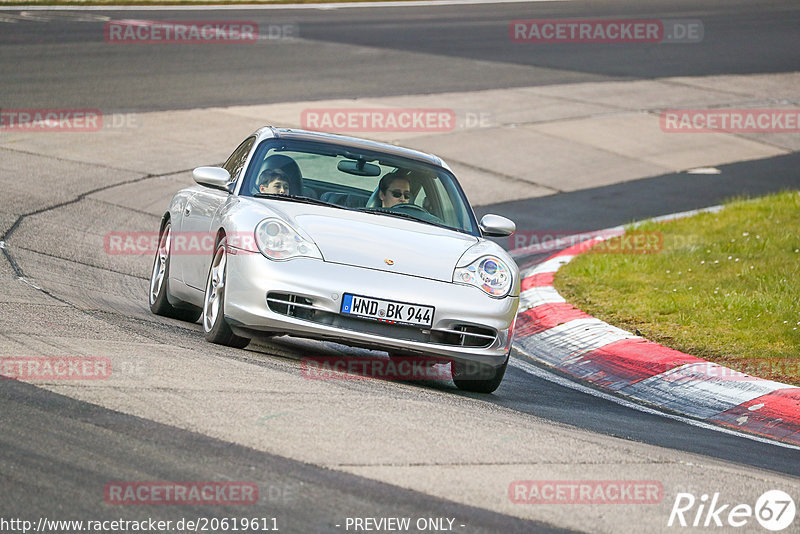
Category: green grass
[725,287]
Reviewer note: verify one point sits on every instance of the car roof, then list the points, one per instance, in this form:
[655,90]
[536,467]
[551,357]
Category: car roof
[268,132]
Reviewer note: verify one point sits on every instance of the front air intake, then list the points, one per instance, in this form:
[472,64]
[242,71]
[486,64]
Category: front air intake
[464,335]
[291,305]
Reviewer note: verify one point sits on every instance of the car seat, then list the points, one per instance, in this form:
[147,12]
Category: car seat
[292,171]
[348,200]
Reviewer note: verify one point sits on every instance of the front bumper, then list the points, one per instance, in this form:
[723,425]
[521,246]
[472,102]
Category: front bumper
[251,276]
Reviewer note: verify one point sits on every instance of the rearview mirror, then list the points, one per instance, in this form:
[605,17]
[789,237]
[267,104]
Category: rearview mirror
[359,167]
[215,177]
[497,226]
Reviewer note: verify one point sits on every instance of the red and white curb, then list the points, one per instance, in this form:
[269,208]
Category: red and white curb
[551,331]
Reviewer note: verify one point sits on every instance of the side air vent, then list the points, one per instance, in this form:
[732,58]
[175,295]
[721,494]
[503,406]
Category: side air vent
[291,305]
[464,336]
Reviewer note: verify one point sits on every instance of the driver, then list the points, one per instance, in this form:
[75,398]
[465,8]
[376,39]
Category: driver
[395,188]
[273,181]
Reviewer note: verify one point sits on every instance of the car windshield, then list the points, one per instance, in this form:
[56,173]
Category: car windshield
[355,179]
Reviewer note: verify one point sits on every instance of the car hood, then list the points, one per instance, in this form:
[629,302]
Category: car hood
[386,243]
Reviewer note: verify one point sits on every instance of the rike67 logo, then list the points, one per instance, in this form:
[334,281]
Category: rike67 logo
[774,510]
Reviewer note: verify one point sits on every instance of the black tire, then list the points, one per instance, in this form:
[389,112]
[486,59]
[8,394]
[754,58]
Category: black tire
[478,378]
[159,287]
[216,328]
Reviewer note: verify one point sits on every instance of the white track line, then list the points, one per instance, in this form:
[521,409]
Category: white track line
[241,7]
[571,384]
[567,383]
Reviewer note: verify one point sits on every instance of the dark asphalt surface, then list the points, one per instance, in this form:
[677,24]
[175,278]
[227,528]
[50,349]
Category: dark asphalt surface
[66,63]
[603,207]
[58,454]
[55,450]
[522,392]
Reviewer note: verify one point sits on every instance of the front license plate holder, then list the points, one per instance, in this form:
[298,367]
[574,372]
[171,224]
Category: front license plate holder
[387,311]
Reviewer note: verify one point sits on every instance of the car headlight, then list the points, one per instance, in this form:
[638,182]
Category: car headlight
[488,273]
[278,241]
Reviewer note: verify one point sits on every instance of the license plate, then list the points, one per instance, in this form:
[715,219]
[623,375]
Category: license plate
[388,311]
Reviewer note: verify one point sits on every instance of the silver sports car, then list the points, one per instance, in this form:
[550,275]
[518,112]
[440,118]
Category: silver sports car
[337,238]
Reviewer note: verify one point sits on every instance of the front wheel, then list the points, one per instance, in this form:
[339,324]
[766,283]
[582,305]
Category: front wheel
[216,328]
[159,283]
[477,377]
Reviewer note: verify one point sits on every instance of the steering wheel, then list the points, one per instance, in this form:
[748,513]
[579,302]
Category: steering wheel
[412,207]
[423,215]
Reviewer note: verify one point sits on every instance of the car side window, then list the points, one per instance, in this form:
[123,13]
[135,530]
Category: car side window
[236,161]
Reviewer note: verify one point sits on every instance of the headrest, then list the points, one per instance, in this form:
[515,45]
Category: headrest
[289,167]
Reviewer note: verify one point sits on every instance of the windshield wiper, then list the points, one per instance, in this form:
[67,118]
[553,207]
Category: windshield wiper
[304,200]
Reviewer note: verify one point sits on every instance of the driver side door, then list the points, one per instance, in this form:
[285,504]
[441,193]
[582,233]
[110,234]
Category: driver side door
[199,213]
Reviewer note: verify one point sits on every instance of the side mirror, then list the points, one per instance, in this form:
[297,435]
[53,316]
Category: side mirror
[215,177]
[497,226]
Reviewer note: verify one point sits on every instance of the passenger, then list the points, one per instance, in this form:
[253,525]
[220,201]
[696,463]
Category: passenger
[394,188]
[273,181]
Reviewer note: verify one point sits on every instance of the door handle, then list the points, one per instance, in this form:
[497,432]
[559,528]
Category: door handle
[188,210]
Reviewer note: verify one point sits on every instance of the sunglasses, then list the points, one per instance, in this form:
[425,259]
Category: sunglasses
[396,193]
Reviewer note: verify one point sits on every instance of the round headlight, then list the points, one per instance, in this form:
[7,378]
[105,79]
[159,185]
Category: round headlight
[490,274]
[279,241]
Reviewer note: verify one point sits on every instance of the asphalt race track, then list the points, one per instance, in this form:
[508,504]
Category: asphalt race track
[320,452]
[419,50]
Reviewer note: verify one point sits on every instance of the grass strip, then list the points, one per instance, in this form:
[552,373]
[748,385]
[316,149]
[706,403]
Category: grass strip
[725,286]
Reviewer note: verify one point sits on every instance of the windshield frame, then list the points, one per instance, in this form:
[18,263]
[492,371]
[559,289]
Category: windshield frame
[321,148]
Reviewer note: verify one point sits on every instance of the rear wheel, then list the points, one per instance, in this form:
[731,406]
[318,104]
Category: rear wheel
[215,326]
[159,283]
[477,377]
